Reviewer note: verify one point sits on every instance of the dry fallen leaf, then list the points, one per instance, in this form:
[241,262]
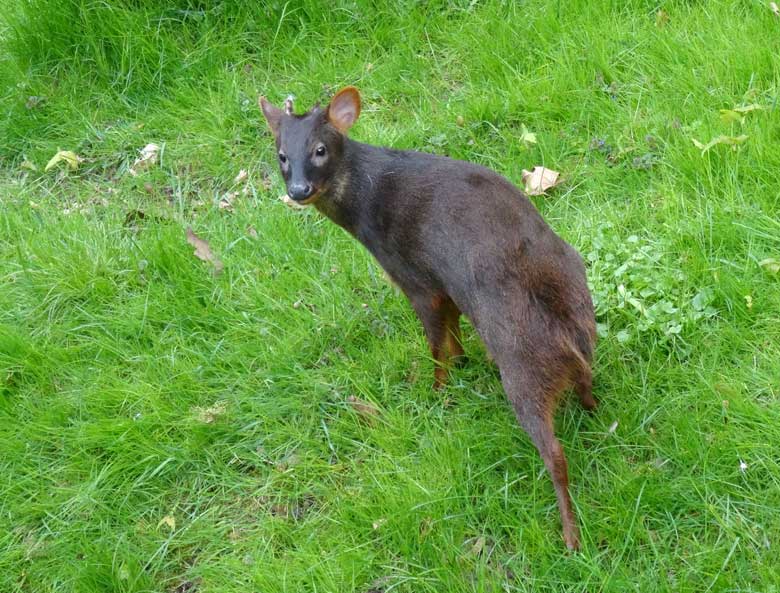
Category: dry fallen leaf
[291,203]
[251,231]
[226,203]
[148,158]
[241,177]
[774,8]
[478,545]
[34,101]
[732,141]
[661,18]
[64,156]
[203,250]
[168,520]
[210,414]
[538,181]
[28,165]
[366,409]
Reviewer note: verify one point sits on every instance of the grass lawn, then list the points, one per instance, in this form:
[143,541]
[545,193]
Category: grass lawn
[273,427]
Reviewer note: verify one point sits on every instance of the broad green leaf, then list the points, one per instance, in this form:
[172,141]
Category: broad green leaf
[729,140]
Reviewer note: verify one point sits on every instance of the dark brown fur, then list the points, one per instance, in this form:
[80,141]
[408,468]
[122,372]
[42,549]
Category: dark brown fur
[458,239]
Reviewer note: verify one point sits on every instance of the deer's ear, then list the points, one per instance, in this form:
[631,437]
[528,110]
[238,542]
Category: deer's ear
[344,109]
[273,115]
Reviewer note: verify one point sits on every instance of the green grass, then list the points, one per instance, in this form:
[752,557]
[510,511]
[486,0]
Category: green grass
[136,386]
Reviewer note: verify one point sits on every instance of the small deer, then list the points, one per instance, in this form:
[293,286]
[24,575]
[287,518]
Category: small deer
[457,238]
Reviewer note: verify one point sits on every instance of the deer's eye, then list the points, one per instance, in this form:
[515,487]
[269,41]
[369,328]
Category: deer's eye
[282,158]
[320,150]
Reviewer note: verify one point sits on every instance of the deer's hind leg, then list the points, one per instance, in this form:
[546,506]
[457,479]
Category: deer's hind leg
[534,397]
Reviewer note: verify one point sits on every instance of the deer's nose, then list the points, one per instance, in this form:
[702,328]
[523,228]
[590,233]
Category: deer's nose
[300,191]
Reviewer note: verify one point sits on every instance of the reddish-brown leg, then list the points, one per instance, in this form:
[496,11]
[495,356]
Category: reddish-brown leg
[440,318]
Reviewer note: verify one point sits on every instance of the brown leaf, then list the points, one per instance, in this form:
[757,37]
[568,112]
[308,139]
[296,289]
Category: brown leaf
[280,510]
[538,181]
[251,231]
[226,203]
[661,18]
[365,409]
[203,251]
[241,177]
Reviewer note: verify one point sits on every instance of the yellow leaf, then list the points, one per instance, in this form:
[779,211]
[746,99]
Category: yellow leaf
[169,521]
[67,156]
[728,116]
